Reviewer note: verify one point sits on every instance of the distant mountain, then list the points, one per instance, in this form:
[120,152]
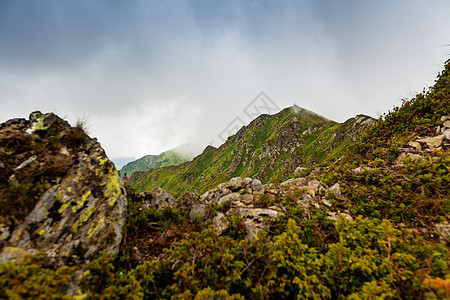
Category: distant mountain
[271,148]
[173,157]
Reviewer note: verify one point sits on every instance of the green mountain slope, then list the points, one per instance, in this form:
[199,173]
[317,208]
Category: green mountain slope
[400,168]
[270,148]
[171,157]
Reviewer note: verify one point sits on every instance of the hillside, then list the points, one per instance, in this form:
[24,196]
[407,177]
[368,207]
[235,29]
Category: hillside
[270,148]
[171,157]
[368,220]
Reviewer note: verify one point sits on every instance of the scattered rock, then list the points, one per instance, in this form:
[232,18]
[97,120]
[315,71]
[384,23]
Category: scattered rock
[415,145]
[443,230]
[433,142]
[220,223]
[294,181]
[446,134]
[313,187]
[229,198]
[4,233]
[446,124]
[238,183]
[401,158]
[299,171]
[257,185]
[161,199]
[335,216]
[198,210]
[346,216]
[335,190]
[360,170]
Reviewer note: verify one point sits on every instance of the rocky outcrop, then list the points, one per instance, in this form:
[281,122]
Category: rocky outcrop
[75,201]
[256,205]
[421,146]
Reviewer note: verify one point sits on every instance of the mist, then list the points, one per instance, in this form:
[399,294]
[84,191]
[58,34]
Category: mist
[152,75]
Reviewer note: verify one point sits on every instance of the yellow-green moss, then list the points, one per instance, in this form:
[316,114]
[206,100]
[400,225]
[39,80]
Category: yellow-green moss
[100,223]
[63,207]
[102,160]
[41,232]
[83,219]
[112,191]
[81,203]
[59,195]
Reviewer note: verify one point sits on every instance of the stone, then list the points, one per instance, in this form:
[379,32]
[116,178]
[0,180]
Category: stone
[335,217]
[255,219]
[293,182]
[433,142]
[4,233]
[247,199]
[161,199]
[256,185]
[299,171]
[307,197]
[445,118]
[346,216]
[415,145]
[326,202]
[247,180]
[314,184]
[322,190]
[335,190]
[443,230]
[360,170]
[229,198]
[220,223]
[252,230]
[44,204]
[446,134]
[200,210]
[399,161]
[237,183]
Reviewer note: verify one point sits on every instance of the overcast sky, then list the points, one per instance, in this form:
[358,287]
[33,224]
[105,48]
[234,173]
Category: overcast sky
[150,75]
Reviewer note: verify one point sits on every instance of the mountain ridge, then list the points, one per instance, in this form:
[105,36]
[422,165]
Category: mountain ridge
[174,156]
[270,148]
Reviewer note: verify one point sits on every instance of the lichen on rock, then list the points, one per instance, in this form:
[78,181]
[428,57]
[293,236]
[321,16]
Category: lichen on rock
[79,205]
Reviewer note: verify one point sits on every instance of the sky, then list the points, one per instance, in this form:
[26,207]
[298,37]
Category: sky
[147,76]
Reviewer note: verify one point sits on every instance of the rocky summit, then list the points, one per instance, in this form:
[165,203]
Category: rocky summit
[59,193]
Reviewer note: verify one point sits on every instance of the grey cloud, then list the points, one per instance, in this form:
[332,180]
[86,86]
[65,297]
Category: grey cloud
[154,74]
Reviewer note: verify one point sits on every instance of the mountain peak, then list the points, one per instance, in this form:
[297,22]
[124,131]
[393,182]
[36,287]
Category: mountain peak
[298,110]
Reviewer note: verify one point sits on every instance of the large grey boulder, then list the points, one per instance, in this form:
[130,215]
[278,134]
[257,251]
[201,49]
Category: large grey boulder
[81,213]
